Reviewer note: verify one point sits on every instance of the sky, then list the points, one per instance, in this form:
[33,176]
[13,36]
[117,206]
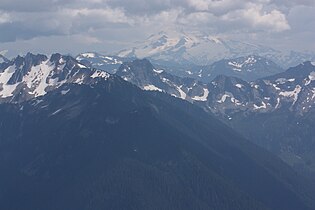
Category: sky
[107,26]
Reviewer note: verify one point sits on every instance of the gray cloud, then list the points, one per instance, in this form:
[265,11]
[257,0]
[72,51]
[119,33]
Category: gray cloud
[94,19]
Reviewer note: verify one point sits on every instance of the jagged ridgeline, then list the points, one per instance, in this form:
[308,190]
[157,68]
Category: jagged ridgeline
[274,112]
[23,78]
[86,139]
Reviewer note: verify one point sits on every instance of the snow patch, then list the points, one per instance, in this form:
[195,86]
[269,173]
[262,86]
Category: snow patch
[223,98]
[235,64]
[238,66]
[151,88]
[312,76]
[7,90]
[88,55]
[81,66]
[276,87]
[37,78]
[278,103]
[235,101]
[64,92]
[229,95]
[159,71]
[56,112]
[239,86]
[111,60]
[263,106]
[250,60]
[313,91]
[294,93]
[189,72]
[281,81]
[165,80]
[79,80]
[181,92]
[215,39]
[100,74]
[203,97]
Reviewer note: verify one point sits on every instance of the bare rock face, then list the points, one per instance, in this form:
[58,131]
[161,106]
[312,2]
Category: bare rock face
[31,76]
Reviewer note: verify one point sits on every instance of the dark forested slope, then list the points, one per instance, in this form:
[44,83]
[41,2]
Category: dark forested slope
[110,145]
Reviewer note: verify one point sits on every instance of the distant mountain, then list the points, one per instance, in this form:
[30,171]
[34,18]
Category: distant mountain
[276,112]
[44,99]
[284,133]
[248,68]
[293,90]
[225,95]
[143,74]
[102,62]
[203,49]
[109,145]
[200,49]
[238,102]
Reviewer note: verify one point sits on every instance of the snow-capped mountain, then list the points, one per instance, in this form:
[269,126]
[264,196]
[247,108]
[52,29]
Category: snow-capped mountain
[204,49]
[293,90]
[143,74]
[34,75]
[110,145]
[234,100]
[275,112]
[248,68]
[200,49]
[102,62]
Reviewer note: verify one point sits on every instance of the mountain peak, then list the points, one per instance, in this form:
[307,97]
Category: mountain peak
[89,55]
[139,68]
[30,76]
[143,61]
[193,48]
[200,48]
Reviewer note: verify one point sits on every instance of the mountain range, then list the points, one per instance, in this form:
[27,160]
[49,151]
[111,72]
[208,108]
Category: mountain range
[24,78]
[197,48]
[236,102]
[248,68]
[76,137]
[107,63]
[293,89]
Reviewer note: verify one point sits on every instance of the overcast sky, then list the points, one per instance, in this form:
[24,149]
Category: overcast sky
[73,26]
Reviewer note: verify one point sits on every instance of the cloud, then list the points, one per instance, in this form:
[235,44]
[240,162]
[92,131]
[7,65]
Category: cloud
[100,19]
[143,7]
[293,3]
[64,21]
[216,7]
[4,17]
[68,17]
[255,17]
